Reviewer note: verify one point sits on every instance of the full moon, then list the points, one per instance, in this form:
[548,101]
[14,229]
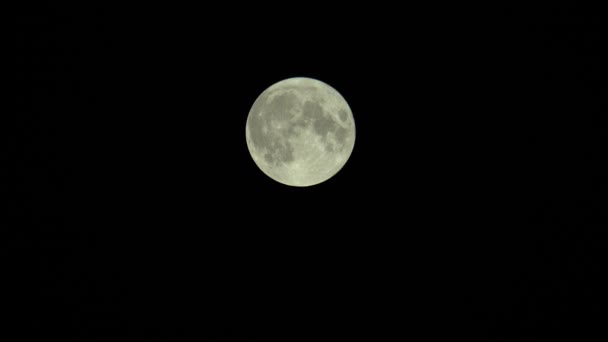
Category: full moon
[300,132]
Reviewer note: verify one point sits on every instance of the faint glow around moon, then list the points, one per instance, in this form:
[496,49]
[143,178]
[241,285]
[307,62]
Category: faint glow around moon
[300,131]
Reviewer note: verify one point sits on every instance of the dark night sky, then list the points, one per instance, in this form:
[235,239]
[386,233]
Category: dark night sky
[471,206]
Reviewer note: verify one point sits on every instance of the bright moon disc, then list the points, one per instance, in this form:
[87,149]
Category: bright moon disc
[300,131]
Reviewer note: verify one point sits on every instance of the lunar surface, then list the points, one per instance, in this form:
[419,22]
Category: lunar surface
[300,131]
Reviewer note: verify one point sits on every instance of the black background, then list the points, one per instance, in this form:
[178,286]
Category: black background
[471,206]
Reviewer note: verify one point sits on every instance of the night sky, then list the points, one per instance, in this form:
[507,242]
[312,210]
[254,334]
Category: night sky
[473,205]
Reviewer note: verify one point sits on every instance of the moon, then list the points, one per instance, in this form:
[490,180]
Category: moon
[300,132]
